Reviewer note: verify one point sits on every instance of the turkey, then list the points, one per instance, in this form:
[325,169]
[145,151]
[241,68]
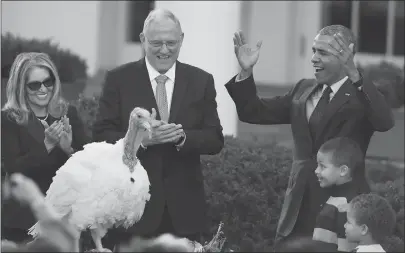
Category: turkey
[104,185]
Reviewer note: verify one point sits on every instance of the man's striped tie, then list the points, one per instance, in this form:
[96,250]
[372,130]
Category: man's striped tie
[161,97]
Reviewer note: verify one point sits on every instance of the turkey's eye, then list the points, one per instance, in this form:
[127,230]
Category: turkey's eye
[132,180]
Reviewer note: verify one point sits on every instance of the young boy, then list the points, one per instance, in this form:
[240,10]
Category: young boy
[369,219]
[339,162]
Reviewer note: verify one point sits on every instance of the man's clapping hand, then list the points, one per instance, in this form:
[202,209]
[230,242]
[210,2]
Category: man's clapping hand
[163,132]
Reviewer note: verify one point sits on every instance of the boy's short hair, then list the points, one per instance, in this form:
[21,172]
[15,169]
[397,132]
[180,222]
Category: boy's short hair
[376,213]
[344,151]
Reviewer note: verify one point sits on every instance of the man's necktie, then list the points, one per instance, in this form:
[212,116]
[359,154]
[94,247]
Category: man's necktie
[316,115]
[161,97]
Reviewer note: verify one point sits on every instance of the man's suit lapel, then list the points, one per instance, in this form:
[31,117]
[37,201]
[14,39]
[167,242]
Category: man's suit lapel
[180,88]
[343,95]
[142,88]
[303,111]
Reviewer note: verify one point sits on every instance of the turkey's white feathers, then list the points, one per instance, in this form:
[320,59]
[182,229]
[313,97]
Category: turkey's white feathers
[93,189]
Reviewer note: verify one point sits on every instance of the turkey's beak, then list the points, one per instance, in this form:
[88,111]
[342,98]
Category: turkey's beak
[146,125]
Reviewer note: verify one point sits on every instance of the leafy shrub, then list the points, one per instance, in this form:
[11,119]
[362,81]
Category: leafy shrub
[389,78]
[87,109]
[388,181]
[245,187]
[70,66]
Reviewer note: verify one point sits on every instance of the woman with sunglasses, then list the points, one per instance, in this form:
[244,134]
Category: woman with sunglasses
[39,132]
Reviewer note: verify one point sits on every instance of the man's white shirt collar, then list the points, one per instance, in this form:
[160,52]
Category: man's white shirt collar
[336,86]
[153,73]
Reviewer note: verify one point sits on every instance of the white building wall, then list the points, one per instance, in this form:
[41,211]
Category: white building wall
[287,29]
[269,23]
[72,25]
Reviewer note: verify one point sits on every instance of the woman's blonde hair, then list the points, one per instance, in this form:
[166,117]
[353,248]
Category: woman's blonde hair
[16,104]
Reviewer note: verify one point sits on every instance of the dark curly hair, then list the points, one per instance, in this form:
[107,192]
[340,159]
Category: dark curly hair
[376,213]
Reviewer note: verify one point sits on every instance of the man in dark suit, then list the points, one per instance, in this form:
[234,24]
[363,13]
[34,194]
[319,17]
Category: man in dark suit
[185,100]
[337,103]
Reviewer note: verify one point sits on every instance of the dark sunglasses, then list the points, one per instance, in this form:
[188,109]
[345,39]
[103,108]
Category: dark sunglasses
[36,85]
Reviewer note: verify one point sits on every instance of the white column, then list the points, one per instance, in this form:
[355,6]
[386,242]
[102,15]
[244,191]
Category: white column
[308,24]
[208,30]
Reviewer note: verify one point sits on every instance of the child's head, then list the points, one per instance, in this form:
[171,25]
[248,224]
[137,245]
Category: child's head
[369,217]
[337,159]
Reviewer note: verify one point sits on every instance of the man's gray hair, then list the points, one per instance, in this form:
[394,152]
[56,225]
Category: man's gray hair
[346,32]
[160,14]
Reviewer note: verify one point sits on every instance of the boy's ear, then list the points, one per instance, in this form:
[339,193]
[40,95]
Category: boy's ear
[344,170]
[364,229]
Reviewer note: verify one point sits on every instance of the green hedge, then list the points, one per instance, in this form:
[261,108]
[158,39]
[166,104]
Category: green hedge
[246,182]
[70,66]
[389,78]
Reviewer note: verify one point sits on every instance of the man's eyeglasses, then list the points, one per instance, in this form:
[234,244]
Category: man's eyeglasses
[159,43]
[36,85]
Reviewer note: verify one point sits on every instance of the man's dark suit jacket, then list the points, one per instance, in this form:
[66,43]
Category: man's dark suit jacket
[351,113]
[176,177]
[23,151]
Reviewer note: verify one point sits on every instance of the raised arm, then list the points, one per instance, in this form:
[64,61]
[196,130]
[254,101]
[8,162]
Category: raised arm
[378,109]
[255,110]
[242,89]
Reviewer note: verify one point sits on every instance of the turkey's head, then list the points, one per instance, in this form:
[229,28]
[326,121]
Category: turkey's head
[140,122]
[139,128]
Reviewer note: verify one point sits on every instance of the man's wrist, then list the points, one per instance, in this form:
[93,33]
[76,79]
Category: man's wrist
[354,76]
[244,74]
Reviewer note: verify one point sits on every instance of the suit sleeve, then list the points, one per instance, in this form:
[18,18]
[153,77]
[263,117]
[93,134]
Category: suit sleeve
[255,110]
[379,112]
[34,163]
[325,231]
[108,123]
[207,140]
